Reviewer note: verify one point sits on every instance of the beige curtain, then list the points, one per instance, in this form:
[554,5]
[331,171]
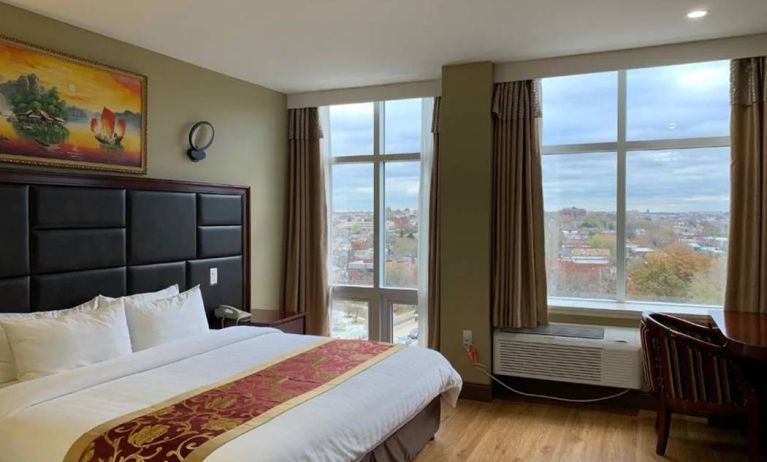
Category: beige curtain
[434,234]
[306,282]
[747,260]
[518,265]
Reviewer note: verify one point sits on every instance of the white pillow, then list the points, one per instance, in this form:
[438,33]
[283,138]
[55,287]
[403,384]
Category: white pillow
[167,320]
[146,296]
[7,364]
[48,346]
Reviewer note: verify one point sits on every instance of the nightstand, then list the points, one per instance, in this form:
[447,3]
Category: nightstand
[289,322]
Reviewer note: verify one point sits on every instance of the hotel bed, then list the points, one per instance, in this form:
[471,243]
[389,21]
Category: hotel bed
[41,419]
[70,238]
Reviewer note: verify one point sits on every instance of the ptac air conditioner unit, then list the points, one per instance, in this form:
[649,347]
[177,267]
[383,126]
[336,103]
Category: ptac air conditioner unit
[607,356]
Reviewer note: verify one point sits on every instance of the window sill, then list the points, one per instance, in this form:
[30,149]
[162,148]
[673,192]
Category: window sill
[618,310]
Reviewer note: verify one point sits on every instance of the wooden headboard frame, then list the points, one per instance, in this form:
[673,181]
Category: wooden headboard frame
[141,184]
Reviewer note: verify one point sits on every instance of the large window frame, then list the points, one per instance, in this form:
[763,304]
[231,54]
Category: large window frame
[622,147]
[380,298]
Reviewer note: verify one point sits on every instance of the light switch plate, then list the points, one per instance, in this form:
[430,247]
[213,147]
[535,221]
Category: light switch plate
[213,276]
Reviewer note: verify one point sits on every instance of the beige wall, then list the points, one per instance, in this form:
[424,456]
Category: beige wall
[465,215]
[465,169]
[251,129]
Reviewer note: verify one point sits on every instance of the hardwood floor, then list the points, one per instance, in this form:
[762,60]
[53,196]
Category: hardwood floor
[519,431]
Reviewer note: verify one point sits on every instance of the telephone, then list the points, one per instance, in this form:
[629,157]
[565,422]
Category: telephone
[229,312]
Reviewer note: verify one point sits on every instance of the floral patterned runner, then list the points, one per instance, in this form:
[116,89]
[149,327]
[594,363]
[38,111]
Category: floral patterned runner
[189,427]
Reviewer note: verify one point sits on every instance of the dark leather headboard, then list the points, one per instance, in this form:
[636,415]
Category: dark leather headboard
[65,238]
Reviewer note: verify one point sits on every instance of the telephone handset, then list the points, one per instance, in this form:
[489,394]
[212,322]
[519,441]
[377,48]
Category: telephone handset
[229,312]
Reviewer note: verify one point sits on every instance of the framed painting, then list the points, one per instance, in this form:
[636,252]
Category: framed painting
[61,111]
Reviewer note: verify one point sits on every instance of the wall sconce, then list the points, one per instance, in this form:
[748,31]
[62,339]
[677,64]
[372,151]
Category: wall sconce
[200,138]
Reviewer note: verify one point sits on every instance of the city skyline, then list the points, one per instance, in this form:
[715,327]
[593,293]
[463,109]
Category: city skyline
[662,181]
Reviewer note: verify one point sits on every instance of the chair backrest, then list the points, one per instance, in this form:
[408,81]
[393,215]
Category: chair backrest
[687,362]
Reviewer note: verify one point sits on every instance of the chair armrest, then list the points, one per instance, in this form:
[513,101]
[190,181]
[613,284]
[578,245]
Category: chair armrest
[687,327]
[651,320]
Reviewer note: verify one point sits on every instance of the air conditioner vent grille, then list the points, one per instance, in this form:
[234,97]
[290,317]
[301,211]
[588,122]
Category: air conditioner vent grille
[615,360]
[550,361]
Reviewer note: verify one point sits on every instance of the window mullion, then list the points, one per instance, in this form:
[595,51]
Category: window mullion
[578,148]
[353,159]
[377,196]
[376,328]
[620,231]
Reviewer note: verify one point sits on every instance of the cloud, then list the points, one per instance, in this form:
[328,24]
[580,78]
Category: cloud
[670,102]
[673,102]
[351,129]
[402,185]
[351,133]
[352,187]
[663,181]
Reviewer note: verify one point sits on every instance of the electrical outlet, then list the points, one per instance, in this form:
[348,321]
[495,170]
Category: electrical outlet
[467,339]
[213,276]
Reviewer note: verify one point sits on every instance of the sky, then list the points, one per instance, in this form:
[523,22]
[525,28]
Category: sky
[660,181]
[351,133]
[353,186]
[671,102]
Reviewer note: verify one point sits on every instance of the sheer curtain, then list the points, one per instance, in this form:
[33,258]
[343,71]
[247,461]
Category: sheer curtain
[324,114]
[424,224]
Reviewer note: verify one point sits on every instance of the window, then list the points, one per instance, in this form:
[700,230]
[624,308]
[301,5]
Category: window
[580,220]
[350,319]
[374,218]
[636,184]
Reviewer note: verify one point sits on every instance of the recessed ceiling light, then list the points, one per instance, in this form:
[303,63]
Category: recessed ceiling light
[697,14]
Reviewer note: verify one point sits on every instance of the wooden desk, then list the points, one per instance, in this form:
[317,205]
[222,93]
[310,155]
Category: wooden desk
[746,333]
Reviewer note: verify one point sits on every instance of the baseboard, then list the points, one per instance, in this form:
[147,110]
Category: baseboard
[634,399]
[477,391]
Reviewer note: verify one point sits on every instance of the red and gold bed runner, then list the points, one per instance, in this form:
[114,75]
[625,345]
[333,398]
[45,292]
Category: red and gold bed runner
[191,426]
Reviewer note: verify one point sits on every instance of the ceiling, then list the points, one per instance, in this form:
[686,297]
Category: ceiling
[294,46]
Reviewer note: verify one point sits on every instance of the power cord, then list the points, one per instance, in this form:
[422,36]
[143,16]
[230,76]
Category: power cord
[474,356]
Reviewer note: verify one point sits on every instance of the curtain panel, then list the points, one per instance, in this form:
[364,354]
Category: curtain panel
[747,257]
[305,279]
[518,276]
[434,235]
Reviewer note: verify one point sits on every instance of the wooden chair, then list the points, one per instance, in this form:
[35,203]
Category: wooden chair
[690,373]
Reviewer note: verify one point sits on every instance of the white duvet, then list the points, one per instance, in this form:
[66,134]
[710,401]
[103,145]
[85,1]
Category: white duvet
[41,418]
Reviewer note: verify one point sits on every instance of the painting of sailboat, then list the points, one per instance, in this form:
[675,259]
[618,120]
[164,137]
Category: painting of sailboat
[106,131]
[61,111]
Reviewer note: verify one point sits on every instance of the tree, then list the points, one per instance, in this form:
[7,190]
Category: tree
[39,114]
[31,96]
[593,221]
[603,241]
[707,287]
[655,277]
[668,273]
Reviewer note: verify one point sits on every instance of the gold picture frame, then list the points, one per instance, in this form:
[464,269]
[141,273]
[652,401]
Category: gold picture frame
[58,110]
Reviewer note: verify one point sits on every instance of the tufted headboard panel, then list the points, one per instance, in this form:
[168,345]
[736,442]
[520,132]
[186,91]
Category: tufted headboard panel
[65,238]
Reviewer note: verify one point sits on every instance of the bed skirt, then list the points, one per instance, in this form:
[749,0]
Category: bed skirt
[405,444]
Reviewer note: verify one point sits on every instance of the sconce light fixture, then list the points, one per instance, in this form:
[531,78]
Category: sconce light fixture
[200,138]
